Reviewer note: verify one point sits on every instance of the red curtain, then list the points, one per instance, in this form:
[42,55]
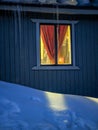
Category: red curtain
[47,34]
[62,29]
[48,37]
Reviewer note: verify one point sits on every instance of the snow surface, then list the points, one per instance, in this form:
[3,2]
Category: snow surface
[23,108]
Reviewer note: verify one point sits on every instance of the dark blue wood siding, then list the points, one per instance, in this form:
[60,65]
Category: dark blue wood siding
[18,55]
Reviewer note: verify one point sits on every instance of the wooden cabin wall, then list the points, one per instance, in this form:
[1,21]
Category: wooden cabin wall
[18,55]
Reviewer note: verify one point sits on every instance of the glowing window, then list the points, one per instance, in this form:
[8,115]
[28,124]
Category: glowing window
[55,44]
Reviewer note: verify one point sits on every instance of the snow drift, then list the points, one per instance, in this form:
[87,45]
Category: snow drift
[23,108]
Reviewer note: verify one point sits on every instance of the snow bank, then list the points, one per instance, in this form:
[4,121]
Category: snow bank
[23,108]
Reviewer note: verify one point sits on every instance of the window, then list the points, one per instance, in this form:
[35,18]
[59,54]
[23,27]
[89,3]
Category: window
[55,44]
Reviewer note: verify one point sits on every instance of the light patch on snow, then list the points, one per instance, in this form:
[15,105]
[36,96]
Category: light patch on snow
[23,108]
[93,99]
[56,101]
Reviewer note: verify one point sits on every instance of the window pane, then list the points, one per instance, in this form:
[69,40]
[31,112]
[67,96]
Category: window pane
[47,44]
[64,44]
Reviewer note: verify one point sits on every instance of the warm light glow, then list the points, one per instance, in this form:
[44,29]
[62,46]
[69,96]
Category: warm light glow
[47,46]
[61,60]
[64,55]
[93,99]
[56,101]
[44,56]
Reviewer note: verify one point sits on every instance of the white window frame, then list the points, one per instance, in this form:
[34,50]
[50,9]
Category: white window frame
[38,66]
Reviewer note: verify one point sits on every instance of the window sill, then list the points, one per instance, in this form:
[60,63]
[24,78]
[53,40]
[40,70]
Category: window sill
[55,68]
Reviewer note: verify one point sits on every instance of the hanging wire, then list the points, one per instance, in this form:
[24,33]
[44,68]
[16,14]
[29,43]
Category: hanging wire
[57,14]
[57,19]
[57,27]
